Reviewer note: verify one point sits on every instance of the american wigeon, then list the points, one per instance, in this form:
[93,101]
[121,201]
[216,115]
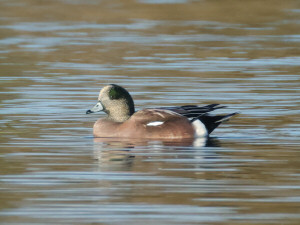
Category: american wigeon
[123,121]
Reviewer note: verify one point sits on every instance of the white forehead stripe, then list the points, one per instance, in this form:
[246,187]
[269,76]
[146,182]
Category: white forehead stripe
[155,123]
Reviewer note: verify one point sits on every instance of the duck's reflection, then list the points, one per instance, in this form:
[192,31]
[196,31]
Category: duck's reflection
[112,152]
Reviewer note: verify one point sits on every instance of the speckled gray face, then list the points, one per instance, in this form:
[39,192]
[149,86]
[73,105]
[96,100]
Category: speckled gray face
[97,108]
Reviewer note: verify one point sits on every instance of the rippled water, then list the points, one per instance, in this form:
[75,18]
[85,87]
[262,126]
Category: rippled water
[56,55]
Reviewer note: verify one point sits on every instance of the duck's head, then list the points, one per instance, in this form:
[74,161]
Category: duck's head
[116,102]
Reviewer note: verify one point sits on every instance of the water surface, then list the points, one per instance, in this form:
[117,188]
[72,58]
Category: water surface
[56,55]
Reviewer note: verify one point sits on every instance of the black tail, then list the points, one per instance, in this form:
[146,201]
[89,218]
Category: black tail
[211,122]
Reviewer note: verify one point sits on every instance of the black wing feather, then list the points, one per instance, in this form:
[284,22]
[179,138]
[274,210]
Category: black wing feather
[194,112]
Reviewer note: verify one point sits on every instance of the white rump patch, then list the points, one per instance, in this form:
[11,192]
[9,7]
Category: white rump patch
[155,123]
[199,142]
[200,129]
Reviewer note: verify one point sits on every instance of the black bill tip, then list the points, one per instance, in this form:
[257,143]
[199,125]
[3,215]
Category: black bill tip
[88,111]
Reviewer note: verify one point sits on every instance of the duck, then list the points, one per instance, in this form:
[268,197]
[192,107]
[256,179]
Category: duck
[178,122]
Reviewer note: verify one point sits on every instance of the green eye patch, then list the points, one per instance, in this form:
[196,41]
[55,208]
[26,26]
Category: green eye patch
[117,92]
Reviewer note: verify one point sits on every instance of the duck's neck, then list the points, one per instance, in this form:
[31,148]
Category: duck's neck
[118,118]
[121,113]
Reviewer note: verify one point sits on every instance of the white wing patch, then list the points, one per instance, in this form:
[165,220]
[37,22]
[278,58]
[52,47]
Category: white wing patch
[161,111]
[154,123]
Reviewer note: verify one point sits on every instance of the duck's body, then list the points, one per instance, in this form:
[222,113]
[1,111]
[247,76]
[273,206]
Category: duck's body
[163,123]
[146,123]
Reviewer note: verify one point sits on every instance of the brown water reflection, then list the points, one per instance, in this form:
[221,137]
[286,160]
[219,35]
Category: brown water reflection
[56,55]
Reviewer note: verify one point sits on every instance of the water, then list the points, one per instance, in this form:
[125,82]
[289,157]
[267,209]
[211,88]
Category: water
[56,55]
